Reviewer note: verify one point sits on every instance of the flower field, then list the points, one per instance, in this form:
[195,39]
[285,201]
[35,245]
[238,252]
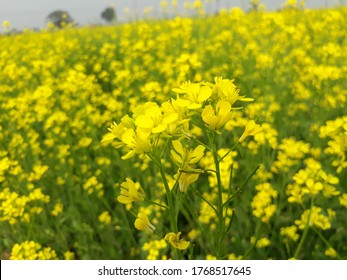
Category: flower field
[221,137]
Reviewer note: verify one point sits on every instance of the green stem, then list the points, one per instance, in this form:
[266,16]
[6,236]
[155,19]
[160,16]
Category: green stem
[307,226]
[220,231]
[326,242]
[200,195]
[171,207]
[153,202]
[232,148]
[197,140]
[241,187]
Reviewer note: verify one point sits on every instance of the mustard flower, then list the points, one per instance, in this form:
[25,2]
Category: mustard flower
[343,200]
[68,255]
[130,192]
[142,223]
[290,233]
[117,130]
[185,179]
[225,89]
[175,241]
[6,24]
[317,219]
[260,243]
[251,129]
[194,94]
[183,157]
[105,218]
[149,118]
[137,142]
[216,118]
[330,252]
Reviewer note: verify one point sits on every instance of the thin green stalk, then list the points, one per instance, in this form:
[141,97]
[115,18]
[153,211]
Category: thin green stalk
[153,202]
[232,148]
[304,235]
[195,139]
[326,242]
[171,206]
[242,186]
[220,227]
[200,195]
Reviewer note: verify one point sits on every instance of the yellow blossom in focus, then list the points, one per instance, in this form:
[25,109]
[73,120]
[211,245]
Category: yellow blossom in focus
[218,117]
[176,242]
[137,142]
[251,129]
[184,157]
[130,192]
[185,179]
[142,223]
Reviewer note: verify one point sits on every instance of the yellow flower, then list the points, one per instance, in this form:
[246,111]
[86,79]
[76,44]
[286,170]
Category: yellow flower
[343,200]
[105,217]
[316,219]
[216,118]
[251,129]
[290,233]
[130,192]
[183,156]
[68,255]
[330,252]
[225,89]
[210,257]
[194,94]
[6,24]
[176,242]
[142,223]
[185,179]
[136,141]
[58,208]
[260,243]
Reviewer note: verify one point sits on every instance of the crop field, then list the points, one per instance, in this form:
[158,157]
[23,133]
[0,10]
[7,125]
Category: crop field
[209,137]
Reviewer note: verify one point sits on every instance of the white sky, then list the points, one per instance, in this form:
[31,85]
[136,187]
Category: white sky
[32,13]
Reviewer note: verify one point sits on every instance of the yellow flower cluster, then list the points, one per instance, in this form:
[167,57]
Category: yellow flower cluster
[60,88]
[262,205]
[314,217]
[336,131]
[290,153]
[311,181]
[154,248]
[30,250]
[15,208]
[290,233]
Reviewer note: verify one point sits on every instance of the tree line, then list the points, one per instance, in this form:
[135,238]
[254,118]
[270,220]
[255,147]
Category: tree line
[60,18]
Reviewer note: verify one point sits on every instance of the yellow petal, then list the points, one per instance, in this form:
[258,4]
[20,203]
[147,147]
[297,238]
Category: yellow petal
[182,245]
[124,199]
[144,121]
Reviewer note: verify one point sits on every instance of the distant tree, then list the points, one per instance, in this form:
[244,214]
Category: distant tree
[59,18]
[109,14]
